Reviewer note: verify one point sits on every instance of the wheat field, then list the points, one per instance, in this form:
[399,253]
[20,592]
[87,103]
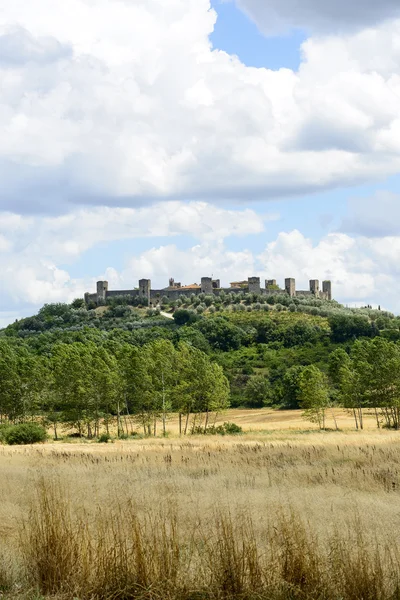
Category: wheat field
[286,513]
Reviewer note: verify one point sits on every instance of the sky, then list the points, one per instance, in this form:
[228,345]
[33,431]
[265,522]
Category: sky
[189,138]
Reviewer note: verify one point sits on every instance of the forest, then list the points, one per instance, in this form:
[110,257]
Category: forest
[79,368]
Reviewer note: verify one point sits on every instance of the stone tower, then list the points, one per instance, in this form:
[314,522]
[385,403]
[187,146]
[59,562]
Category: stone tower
[254,285]
[206,285]
[144,289]
[327,289]
[102,289]
[270,283]
[314,287]
[290,286]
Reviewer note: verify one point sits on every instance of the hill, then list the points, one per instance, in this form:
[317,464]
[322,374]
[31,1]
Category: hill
[262,345]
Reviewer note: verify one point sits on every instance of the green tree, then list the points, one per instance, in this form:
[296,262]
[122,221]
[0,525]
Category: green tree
[257,392]
[314,395]
[73,382]
[290,395]
[377,368]
[137,384]
[9,379]
[160,364]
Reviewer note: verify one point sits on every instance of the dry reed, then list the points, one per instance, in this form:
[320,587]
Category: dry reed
[306,518]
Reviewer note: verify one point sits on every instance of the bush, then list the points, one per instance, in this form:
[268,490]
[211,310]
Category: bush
[3,429]
[24,433]
[225,429]
[183,316]
[232,428]
[104,438]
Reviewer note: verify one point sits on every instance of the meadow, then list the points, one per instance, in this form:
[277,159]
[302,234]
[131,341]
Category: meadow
[285,512]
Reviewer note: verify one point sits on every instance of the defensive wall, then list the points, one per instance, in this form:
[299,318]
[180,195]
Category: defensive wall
[210,286]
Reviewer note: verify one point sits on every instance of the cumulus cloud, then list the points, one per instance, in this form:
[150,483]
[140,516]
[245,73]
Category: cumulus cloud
[125,103]
[32,249]
[275,16]
[65,238]
[18,48]
[362,269]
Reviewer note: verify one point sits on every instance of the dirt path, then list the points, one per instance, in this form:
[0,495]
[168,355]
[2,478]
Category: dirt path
[166,315]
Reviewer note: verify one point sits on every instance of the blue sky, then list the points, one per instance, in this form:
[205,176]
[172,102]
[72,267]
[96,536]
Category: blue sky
[182,138]
[236,34]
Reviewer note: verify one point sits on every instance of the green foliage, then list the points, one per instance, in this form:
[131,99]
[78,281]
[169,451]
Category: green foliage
[347,327]
[314,394]
[78,367]
[184,316]
[291,396]
[220,333]
[257,392]
[231,428]
[24,433]
[224,429]
[78,303]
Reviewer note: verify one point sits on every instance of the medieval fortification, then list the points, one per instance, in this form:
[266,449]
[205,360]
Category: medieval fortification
[209,286]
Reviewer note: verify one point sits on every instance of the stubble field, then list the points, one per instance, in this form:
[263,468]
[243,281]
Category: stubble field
[280,513]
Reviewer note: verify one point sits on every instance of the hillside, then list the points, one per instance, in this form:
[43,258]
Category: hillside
[262,345]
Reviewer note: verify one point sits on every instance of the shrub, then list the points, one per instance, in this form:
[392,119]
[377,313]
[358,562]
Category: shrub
[78,303]
[208,300]
[225,429]
[24,433]
[3,429]
[232,428]
[183,316]
[104,438]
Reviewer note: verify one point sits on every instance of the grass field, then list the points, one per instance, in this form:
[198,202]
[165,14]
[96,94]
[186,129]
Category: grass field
[265,420]
[280,513]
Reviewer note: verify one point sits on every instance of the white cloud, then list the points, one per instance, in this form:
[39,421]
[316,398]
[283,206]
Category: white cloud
[18,47]
[275,16]
[362,270]
[122,103]
[66,237]
[32,249]
[188,266]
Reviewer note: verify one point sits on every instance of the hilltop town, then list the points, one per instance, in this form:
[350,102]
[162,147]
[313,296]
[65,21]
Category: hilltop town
[209,285]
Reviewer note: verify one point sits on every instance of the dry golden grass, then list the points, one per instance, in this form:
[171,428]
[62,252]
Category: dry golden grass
[267,419]
[263,420]
[271,514]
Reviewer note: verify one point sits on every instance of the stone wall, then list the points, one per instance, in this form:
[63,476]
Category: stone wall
[116,293]
[208,287]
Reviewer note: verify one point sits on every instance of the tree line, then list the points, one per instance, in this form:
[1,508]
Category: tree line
[86,387]
[73,366]
[366,378]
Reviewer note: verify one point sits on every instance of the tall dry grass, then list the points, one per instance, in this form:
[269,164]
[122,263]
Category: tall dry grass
[122,555]
[310,518]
